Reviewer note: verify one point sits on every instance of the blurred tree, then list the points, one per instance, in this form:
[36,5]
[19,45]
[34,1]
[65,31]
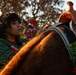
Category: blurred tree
[44,11]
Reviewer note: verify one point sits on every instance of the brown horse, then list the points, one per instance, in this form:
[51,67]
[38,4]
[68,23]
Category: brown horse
[43,55]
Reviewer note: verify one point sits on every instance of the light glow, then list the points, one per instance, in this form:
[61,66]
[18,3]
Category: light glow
[0,12]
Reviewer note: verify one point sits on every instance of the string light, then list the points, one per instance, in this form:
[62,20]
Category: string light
[0,12]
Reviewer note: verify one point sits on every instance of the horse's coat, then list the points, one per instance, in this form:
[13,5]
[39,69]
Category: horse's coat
[43,55]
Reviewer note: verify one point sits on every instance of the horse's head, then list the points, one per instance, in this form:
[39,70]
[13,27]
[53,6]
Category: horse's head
[43,55]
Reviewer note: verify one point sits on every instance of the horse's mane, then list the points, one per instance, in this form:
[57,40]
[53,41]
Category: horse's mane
[43,55]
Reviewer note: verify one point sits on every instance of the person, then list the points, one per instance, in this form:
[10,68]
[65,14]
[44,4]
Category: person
[31,30]
[70,17]
[10,40]
[66,16]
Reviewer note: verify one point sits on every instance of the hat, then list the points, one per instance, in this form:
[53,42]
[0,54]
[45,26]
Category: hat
[32,22]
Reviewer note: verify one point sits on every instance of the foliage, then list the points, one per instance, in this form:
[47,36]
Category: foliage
[44,11]
[72,50]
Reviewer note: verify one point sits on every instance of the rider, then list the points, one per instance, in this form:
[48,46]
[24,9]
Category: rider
[70,17]
[66,15]
[31,30]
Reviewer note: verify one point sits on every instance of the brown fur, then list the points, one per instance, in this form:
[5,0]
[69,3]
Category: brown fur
[43,55]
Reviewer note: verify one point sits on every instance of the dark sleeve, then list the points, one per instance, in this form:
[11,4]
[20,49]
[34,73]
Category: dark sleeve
[5,52]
